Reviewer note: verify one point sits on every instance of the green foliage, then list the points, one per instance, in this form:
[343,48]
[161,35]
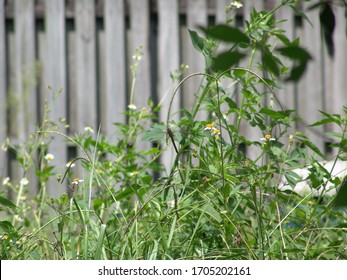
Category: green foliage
[216,201]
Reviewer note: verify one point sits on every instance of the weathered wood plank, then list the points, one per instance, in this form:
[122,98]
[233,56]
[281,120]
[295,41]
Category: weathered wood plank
[139,36]
[168,61]
[56,78]
[287,93]
[24,113]
[196,17]
[114,101]
[23,110]
[310,96]
[3,95]
[86,108]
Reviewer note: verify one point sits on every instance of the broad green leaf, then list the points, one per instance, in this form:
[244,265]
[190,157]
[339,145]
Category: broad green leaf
[270,62]
[327,21]
[308,143]
[197,41]
[210,210]
[156,133]
[7,226]
[296,53]
[232,104]
[227,33]
[341,197]
[275,114]
[7,203]
[225,60]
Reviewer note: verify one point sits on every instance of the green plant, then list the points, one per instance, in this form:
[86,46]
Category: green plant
[217,201]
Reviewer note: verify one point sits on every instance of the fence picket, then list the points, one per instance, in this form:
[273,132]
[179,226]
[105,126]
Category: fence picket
[168,61]
[114,103]
[196,17]
[86,103]
[56,77]
[310,95]
[3,97]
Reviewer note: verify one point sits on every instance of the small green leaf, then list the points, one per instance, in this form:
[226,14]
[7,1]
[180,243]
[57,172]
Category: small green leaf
[197,41]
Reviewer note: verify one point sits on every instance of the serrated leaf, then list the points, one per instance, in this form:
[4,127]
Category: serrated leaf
[156,133]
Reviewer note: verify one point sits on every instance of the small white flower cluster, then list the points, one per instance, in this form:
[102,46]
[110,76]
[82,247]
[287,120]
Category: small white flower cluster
[89,129]
[49,157]
[236,4]
[132,106]
[267,137]
[214,131]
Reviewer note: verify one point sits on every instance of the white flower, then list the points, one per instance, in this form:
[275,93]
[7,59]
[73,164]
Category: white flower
[70,164]
[267,137]
[76,181]
[134,172]
[170,203]
[236,4]
[24,181]
[4,147]
[215,131]
[132,106]
[88,129]
[5,181]
[209,126]
[49,157]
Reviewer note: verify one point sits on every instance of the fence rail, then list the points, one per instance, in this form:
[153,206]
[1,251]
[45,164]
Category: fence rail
[86,46]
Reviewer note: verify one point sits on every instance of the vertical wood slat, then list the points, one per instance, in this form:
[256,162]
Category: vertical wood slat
[86,107]
[3,97]
[114,102]
[287,94]
[25,109]
[337,94]
[139,28]
[56,77]
[168,61]
[220,13]
[196,16]
[140,36]
[310,95]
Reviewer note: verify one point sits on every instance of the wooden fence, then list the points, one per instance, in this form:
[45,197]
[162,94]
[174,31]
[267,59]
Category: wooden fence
[86,46]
